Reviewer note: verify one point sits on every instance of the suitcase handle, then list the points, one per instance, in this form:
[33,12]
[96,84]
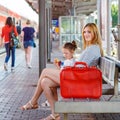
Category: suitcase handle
[80,63]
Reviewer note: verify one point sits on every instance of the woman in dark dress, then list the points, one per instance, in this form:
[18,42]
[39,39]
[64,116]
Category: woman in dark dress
[27,36]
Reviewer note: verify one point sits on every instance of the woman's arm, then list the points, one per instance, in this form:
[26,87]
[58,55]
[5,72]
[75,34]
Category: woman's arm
[1,42]
[21,36]
[91,55]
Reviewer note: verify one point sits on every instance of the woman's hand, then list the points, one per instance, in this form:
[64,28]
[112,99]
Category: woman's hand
[1,43]
[21,38]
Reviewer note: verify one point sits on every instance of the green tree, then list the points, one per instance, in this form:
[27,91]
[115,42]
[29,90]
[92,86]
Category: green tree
[114,13]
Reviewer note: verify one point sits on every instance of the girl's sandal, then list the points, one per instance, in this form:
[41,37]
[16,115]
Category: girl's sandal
[52,117]
[29,106]
[45,104]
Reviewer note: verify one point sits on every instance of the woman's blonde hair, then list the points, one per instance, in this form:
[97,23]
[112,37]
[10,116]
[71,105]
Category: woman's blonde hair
[97,37]
[28,22]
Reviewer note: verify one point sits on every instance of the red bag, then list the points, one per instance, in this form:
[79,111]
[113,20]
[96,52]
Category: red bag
[81,82]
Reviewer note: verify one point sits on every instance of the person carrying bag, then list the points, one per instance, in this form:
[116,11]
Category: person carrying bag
[6,40]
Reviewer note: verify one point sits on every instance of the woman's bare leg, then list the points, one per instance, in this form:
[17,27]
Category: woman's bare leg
[55,95]
[54,91]
[25,55]
[53,75]
[28,55]
[46,85]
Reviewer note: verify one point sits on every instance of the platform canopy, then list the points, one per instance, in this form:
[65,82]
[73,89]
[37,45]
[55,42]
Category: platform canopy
[66,7]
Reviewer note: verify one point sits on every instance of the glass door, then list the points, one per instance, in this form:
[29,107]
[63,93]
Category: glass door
[70,29]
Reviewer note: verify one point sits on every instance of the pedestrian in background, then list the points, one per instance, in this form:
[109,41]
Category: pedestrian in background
[18,26]
[5,40]
[27,37]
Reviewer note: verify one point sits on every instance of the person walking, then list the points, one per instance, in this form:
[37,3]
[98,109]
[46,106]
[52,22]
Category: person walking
[50,77]
[18,27]
[27,38]
[6,40]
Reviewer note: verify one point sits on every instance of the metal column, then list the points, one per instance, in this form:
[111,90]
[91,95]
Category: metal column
[42,39]
[108,26]
[99,16]
[118,52]
[48,26]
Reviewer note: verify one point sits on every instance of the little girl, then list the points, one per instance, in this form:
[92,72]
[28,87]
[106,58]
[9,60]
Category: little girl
[68,52]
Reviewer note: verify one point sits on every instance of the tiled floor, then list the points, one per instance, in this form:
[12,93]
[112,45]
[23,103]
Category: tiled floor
[18,87]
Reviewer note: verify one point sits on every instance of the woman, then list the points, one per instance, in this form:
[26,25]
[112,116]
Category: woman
[27,36]
[5,39]
[92,45]
[51,77]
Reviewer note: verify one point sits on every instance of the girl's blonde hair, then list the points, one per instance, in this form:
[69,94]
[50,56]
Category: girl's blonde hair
[97,37]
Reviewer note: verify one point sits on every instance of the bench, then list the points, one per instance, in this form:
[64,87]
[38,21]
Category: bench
[109,102]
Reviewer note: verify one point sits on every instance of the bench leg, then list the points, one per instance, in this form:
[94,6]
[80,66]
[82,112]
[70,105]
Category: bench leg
[65,116]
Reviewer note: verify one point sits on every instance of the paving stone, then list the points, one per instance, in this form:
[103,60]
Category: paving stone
[18,87]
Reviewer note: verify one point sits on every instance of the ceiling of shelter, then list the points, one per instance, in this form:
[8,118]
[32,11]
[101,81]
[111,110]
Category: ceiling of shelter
[66,7]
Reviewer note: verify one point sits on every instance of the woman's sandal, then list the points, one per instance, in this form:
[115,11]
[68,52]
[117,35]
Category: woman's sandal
[52,117]
[29,106]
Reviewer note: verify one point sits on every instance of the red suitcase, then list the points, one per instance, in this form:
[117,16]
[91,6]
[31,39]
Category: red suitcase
[81,82]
